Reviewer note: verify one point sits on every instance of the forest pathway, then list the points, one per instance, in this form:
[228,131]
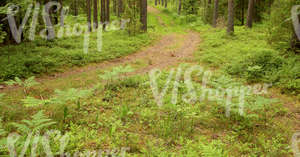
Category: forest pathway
[171,49]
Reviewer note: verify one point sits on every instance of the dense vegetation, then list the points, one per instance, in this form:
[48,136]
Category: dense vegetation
[108,105]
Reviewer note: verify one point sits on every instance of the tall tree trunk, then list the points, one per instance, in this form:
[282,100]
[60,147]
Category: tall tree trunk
[107,15]
[95,14]
[166,3]
[243,12]
[155,2]
[179,7]
[89,14]
[143,15]
[162,2]
[215,16]
[120,8]
[102,15]
[250,14]
[230,27]
[75,7]
[115,7]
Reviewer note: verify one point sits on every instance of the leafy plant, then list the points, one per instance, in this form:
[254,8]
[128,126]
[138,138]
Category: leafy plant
[27,84]
[115,73]
[38,122]
[32,102]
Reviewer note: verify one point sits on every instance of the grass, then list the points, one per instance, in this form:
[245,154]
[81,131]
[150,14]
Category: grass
[124,113]
[247,55]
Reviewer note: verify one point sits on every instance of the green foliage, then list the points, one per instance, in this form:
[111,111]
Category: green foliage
[38,122]
[32,102]
[26,84]
[114,74]
[248,55]
[259,66]
[40,56]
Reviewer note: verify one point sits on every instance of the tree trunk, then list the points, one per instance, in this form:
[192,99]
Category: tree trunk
[115,7]
[230,27]
[75,8]
[107,15]
[166,3]
[243,12]
[102,15]
[250,14]
[179,7]
[215,16]
[120,8]
[89,14]
[144,15]
[162,2]
[155,2]
[95,14]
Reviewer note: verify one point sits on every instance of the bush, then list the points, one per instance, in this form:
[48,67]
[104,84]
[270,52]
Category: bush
[258,66]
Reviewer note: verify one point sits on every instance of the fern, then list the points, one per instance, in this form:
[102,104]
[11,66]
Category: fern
[32,102]
[28,83]
[115,73]
[72,95]
[38,122]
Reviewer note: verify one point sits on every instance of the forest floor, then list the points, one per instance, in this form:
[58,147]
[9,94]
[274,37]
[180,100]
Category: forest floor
[125,114]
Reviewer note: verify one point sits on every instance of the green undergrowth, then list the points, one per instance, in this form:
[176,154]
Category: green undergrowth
[247,55]
[41,56]
[123,112]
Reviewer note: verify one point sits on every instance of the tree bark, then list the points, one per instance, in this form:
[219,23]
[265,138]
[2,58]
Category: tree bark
[215,16]
[95,14]
[250,14]
[89,14]
[143,15]
[107,15]
[75,8]
[155,2]
[179,7]
[166,3]
[120,8]
[230,27]
[243,12]
[102,14]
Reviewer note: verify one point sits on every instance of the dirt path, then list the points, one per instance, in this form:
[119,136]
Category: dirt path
[170,50]
[156,12]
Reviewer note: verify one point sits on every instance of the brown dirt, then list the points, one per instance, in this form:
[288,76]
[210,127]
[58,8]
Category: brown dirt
[169,50]
[156,12]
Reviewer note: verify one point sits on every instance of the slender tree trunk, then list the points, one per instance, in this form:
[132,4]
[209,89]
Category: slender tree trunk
[120,8]
[215,16]
[75,7]
[102,14]
[143,15]
[155,2]
[243,12]
[115,7]
[250,14]
[95,14]
[162,3]
[179,7]
[89,14]
[166,3]
[107,15]
[230,27]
